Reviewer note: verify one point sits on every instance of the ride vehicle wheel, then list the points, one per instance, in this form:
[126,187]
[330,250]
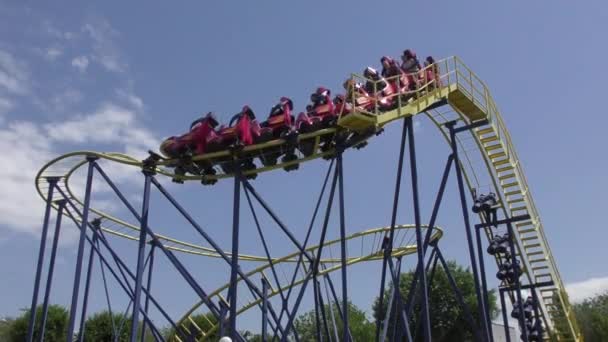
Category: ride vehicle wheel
[268,159]
[249,165]
[288,158]
[307,147]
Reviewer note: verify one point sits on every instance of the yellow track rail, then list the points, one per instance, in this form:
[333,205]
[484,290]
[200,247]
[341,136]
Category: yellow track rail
[488,158]
[327,266]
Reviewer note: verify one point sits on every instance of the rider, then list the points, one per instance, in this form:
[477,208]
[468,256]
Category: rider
[431,72]
[194,141]
[375,83]
[321,102]
[410,66]
[201,130]
[244,126]
[389,67]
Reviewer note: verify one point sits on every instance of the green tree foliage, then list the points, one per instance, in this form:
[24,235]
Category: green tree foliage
[100,327]
[360,327]
[448,321]
[592,318]
[56,325]
[5,326]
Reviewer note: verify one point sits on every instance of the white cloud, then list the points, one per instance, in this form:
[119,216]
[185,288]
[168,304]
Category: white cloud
[52,53]
[25,149]
[110,124]
[81,63]
[5,106]
[64,100]
[133,100]
[27,146]
[13,75]
[585,289]
[105,50]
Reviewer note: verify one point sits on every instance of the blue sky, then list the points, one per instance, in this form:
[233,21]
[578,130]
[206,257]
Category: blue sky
[121,76]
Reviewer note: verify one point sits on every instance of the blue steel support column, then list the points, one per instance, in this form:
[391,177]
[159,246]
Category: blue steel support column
[345,331]
[522,323]
[393,222]
[427,238]
[484,285]
[140,254]
[505,319]
[96,226]
[45,227]
[425,294]
[264,309]
[315,265]
[317,319]
[467,224]
[47,292]
[149,287]
[323,315]
[79,257]
[235,249]
[222,318]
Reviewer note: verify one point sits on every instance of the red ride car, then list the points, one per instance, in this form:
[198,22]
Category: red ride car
[194,142]
[280,125]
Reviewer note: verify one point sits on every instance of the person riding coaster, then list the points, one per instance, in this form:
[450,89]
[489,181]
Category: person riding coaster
[190,144]
[396,77]
[194,142]
[431,76]
[279,125]
[411,67]
[384,92]
[321,113]
[357,95]
[241,131]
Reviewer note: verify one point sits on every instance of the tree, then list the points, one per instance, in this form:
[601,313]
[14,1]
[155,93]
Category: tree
[592,317]
[100,327]
[56,325]
[360,327]
[448,321]
[6,325]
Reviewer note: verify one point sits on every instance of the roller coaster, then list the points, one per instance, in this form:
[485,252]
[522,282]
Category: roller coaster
[482,156]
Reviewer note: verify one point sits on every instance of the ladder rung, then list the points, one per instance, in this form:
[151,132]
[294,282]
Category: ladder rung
[488,139]
[533,261]
[508,185]
[516,200]
[523,224]
[485,130]
[497,155]
[501,162]
[510,175]
[505,168]
[544,275]
[533,237]
[493,147]
[536,253]
[542,268]
[529,230]
[532,245]
[514,192]
[519,208]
